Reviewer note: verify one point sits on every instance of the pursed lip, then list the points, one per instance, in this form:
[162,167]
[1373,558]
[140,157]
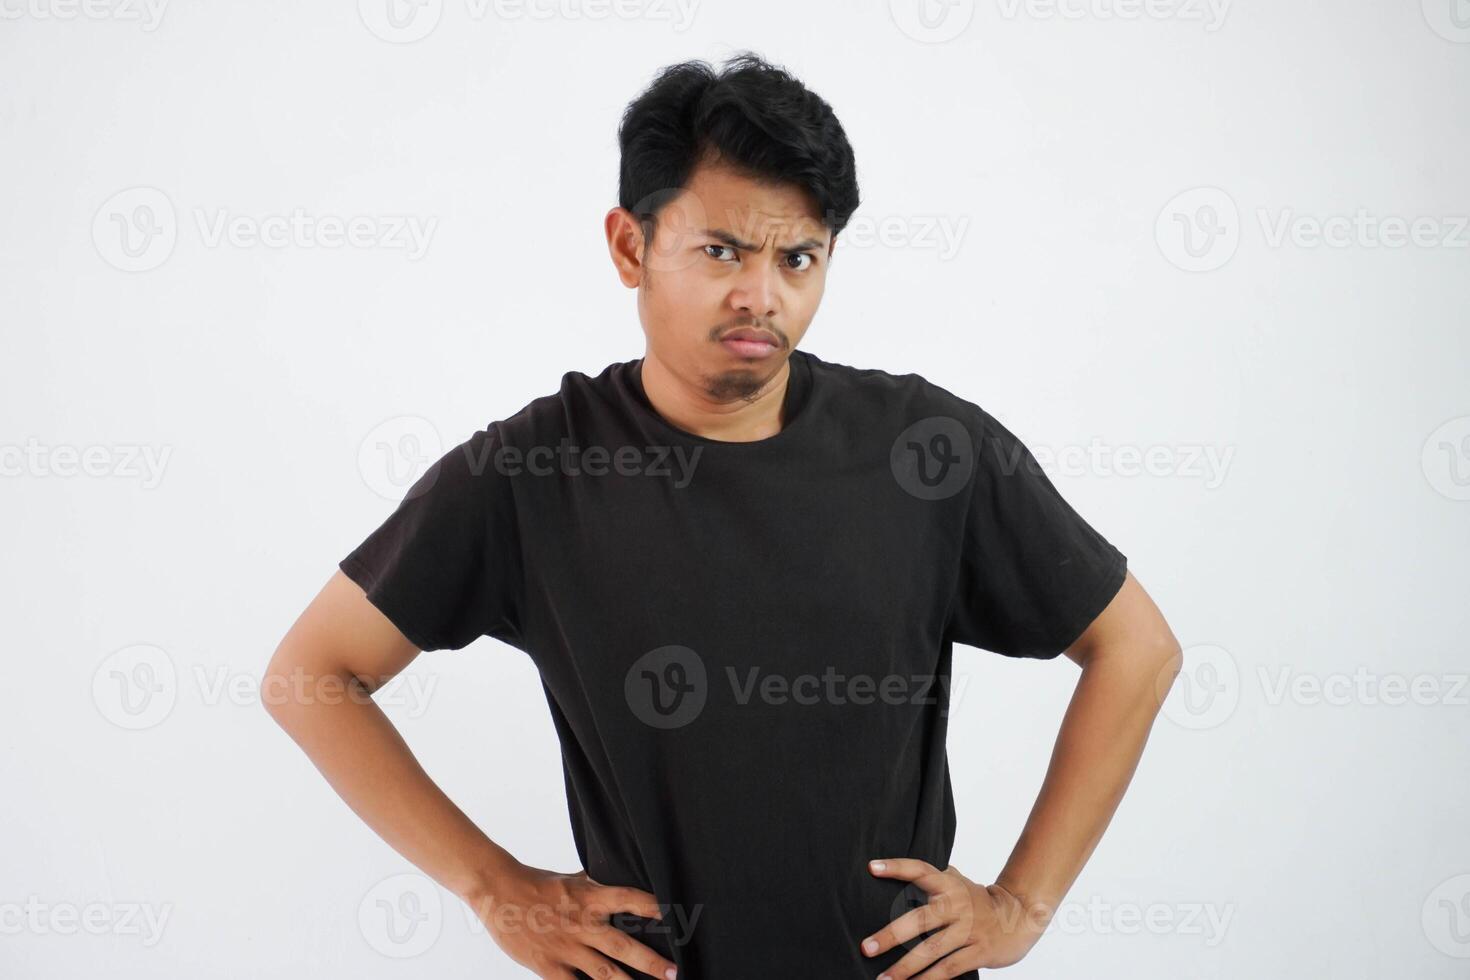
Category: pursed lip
[752,334]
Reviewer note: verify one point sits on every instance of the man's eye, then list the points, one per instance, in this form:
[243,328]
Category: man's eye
[726,247]
[802,255]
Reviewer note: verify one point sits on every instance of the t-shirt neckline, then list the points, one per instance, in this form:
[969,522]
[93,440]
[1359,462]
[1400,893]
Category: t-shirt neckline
[799,385]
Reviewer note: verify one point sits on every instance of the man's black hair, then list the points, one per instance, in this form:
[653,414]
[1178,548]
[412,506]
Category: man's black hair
[758,118]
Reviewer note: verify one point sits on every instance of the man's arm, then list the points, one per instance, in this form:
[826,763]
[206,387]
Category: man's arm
[1129,659]
[317,687]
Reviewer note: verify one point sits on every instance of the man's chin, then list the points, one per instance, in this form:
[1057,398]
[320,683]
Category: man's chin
[743,381]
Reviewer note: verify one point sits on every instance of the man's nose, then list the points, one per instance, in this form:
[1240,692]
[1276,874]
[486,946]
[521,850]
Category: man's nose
[755,292]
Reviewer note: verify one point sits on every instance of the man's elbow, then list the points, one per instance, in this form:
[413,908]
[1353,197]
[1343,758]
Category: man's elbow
[1170,658]
[1155,655]
[280,688]
[272,695]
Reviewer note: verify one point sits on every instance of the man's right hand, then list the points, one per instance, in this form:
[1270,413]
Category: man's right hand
[551,923]
[318,687]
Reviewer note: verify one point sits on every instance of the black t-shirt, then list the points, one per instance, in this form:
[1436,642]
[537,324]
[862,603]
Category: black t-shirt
[746,647]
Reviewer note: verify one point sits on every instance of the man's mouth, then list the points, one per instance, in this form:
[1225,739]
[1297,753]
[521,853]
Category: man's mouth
[750,342]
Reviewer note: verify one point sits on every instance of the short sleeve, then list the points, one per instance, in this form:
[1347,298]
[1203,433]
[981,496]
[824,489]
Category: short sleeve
[1033,574]
[445,565]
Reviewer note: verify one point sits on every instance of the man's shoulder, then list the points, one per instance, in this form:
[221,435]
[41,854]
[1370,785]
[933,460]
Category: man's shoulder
[554,415]
[896,393]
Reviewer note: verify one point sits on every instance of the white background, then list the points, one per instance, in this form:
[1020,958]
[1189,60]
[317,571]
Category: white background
[1308,830]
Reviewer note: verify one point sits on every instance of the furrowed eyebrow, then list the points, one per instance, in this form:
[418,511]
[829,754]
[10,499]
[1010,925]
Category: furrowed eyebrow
[719,234]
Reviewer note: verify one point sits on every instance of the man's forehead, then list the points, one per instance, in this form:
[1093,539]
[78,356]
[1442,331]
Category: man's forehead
[754,221]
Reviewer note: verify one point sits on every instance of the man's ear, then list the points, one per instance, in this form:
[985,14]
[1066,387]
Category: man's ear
[625,245]
[831,246]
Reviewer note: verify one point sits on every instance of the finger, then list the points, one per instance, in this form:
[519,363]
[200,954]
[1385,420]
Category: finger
[907,868]
[624,949]
[620,898]
[911,924]
[933,952]
[936,885]
[594,964]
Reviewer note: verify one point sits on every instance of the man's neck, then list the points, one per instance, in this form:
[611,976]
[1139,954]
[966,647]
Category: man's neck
[691,409]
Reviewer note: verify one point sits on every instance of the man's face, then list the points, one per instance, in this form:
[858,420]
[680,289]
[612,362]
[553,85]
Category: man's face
[730,280]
